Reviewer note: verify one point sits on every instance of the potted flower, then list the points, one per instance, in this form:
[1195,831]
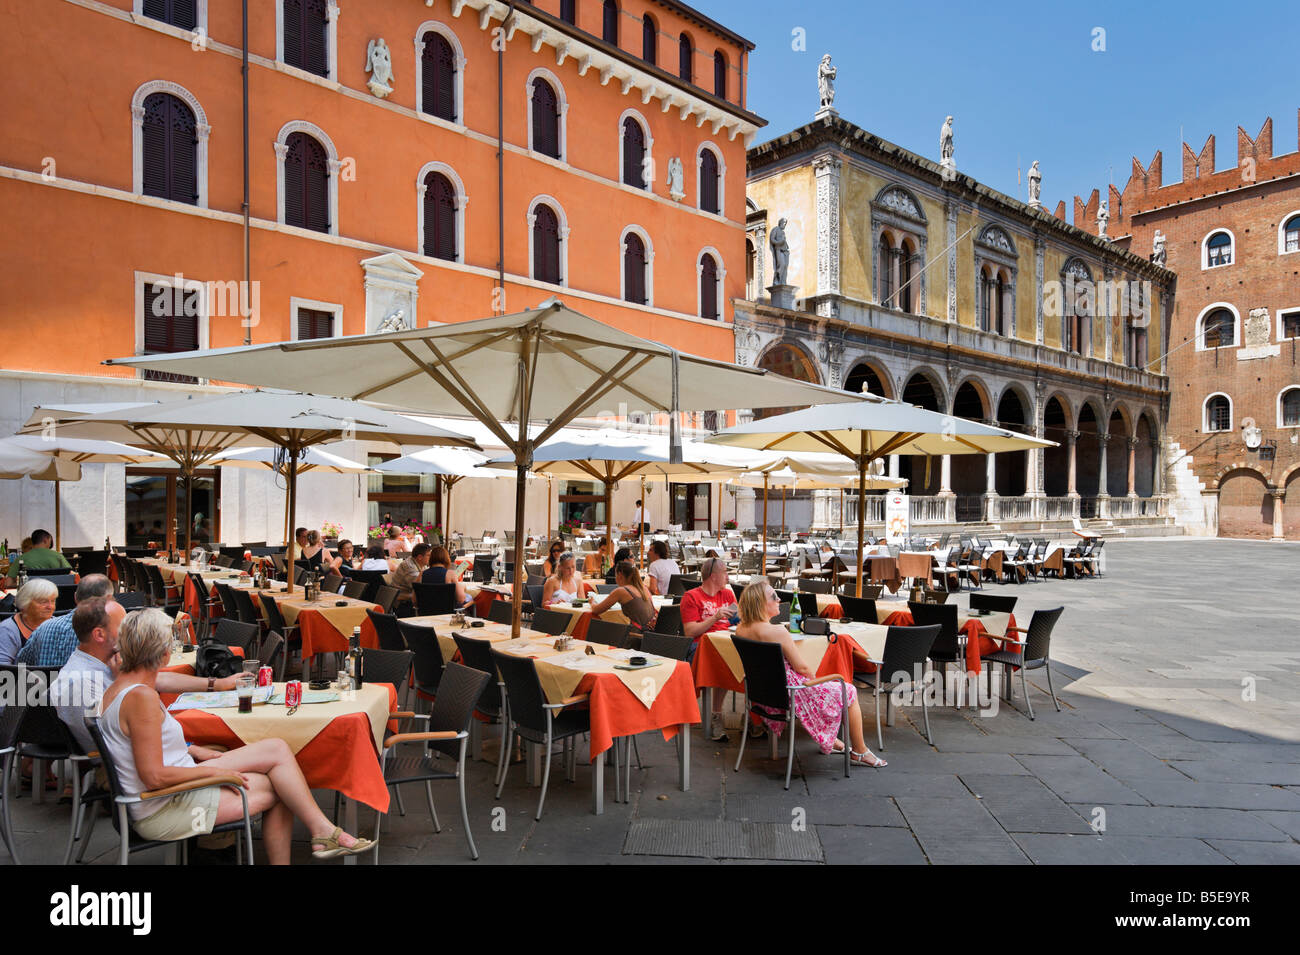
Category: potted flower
[331,532]
[728,525]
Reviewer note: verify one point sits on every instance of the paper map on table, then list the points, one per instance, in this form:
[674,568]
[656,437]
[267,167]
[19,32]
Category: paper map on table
[216,701]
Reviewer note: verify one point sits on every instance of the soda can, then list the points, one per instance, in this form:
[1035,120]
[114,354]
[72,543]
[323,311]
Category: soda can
[293,693]
[265,676]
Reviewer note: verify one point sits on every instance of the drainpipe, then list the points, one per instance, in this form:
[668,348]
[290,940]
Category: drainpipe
[248,288]
[501,159]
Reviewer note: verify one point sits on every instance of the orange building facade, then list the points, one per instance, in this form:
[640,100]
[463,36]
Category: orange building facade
[398,175]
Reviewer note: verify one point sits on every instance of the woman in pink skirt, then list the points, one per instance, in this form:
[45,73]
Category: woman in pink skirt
[819,711]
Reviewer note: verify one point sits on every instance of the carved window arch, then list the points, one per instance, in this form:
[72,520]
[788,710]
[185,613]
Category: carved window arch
[636,266]
[548,247]
[442,212]
[547,108]
[169,139]
[898,242]
[995,267]
[635,146]
[1218,413]
[710,179]
[711,274]
[307,174]
[440,86]
[1078,304]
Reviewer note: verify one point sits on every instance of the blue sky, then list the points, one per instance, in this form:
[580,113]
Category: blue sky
[1024,83]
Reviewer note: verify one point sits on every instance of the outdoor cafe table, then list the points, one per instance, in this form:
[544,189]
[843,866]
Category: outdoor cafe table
[984,631]
[622,702]
[324,625]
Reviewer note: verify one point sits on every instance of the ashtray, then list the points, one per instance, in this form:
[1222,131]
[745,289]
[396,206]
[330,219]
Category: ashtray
[319,685]
[845,620]
[476,623]
[187,648]
[637,661]
[340,603]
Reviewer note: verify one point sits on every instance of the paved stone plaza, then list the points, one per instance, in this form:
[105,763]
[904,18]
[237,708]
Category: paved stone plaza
[1154,734]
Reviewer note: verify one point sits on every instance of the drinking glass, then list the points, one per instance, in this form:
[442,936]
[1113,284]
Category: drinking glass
[244,685]
[252,666]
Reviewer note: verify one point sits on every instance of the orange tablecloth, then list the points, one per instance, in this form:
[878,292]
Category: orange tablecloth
[616,712]
[341,757]
[709,669]
[320,636]
[978,643]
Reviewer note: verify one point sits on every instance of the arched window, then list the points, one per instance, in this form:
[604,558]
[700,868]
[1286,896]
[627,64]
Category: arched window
[1218,250]
[569,11]
[546,245]
[1218,330]
[905,253]
[305,37]
[1000,305]
[649,40]
[635,267]
[439,64]
[1218,413]
[1077,306]
[169,149]
[710,181]
[710,287]
[306,183]
[985,300]
[634,153]
[178,13]
[545,118]
[685,58]
[610,27]
[720,74]
[441,205]
[886,279]
[1289,241]
[751,263]
[1289,408]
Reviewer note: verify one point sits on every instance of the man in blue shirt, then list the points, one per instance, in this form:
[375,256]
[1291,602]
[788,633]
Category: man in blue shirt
[52,643]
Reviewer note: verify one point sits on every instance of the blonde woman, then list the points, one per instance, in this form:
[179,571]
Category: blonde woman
[820,710]
[566,585]
[150,753]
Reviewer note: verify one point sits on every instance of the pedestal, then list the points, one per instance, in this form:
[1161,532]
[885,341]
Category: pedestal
[783,296]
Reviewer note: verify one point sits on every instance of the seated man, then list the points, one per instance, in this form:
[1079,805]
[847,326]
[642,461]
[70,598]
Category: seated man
[406,573]
[709,607]
[92,666]
[54,641]
[43,556]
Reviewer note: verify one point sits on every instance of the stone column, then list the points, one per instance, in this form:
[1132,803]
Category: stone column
[760,260]
[1103,489]
[945,489]
[1157,469]
[1279,498]
[1132,467]
[826,170]
[991,483]
[893,466]
[1104,301]
[1072,489]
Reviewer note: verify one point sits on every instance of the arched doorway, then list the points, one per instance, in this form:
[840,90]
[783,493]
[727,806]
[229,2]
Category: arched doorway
[1010,466]
[1245,505]
[863,378]
[785,359]
[1117,455]
[1056,461]
[920,390]
[1144,458]
[1291,508]
[968,473]
[1087,461]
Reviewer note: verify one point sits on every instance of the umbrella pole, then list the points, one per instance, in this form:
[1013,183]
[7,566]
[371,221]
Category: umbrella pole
[841,512]
[719,528]
[290,566]
[550,529]
[189,511]
[517,592]
[862,491]
[782,512]
[609,521]
[640,528]
[57,516]
[763,561]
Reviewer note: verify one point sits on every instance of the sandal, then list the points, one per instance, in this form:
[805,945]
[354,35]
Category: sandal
[867,758]
[331,848]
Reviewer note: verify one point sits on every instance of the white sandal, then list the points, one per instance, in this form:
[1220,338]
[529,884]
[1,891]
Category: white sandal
[867,758]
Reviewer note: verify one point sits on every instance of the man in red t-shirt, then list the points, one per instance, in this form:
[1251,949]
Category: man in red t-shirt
[709,607]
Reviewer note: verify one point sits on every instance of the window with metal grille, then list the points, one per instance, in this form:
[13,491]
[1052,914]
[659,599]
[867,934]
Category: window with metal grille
[569,11]
[685,58]
[1219,330]
[649,39]
[1218,250]
[171,324]
[438,77]
[1291,324]
[170,149]
[709,182]
[546,245]
[708,288]
[610,26]
[306,184]
[720,74]
[1218,414]
[306,35]
[546,119]
[1291,235]
[179,13]
[439,217]
[1291,408]
[315,323]
[634,262]
[633,154]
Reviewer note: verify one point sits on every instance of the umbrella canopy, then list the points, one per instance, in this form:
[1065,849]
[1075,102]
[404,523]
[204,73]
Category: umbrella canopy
[311,459]
[872,429]
[19,461]
[194,432]
[547,363]
[450,465]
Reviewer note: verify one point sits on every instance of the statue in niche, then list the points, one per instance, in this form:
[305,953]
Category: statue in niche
[379,64]
[394,322]
[780,253]
[676,179]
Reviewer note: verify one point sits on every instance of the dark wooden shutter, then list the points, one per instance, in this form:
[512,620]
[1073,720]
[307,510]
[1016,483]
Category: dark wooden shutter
[155,136]
[633,153]
[546,119]
[169,332]
[610,32]
[634,269]
[720,74]
[546,246]
[179,13]
[293,47]
[306,184]
[649,39]
[438,76]
[569,11]
[439,217]
[708,287]
[306,35]
[169,149]
[709,181]
[685,58]
[315,323]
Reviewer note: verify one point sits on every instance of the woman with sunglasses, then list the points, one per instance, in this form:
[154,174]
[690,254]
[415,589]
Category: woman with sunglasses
[552,562]
[820,710]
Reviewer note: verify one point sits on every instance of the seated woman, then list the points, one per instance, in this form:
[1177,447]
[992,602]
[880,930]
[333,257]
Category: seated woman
[820,710]
[339,561]
[375,560]
[552,562]
[595,563]
[150,752]
[631,596]
[620,555]
[35,604]
[565,585]
[440,572]
[662,568]
[396,541]
[314,551]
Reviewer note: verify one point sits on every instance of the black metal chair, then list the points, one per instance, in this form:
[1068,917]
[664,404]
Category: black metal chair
[10,718]
[669,620]
[388,631]
[356,589]
[162,594]
[431,599]
[67,598]
[491,706]
[551,622]
[204,598]
[608,632]
[807,604]
[905,655]
[678,584]
[446,733]
[769,696]
[132,600]
[1032,653]
[501,611]
[387,666]
[236,633]
[128,841]
[483,568]
[275,621]
[272,654]
[385,596]
[671,645]
[246,610]
[948,647]
[533,719]
[429,663]
[859,609]
[998,602]
[230,610]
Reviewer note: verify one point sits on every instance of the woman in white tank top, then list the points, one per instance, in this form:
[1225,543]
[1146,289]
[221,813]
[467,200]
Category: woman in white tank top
[148,748]
[565,586]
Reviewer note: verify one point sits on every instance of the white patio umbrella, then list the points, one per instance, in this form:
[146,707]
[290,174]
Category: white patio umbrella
[194,432]
[548,363]
[57,458]
[449,465]
[869,430]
